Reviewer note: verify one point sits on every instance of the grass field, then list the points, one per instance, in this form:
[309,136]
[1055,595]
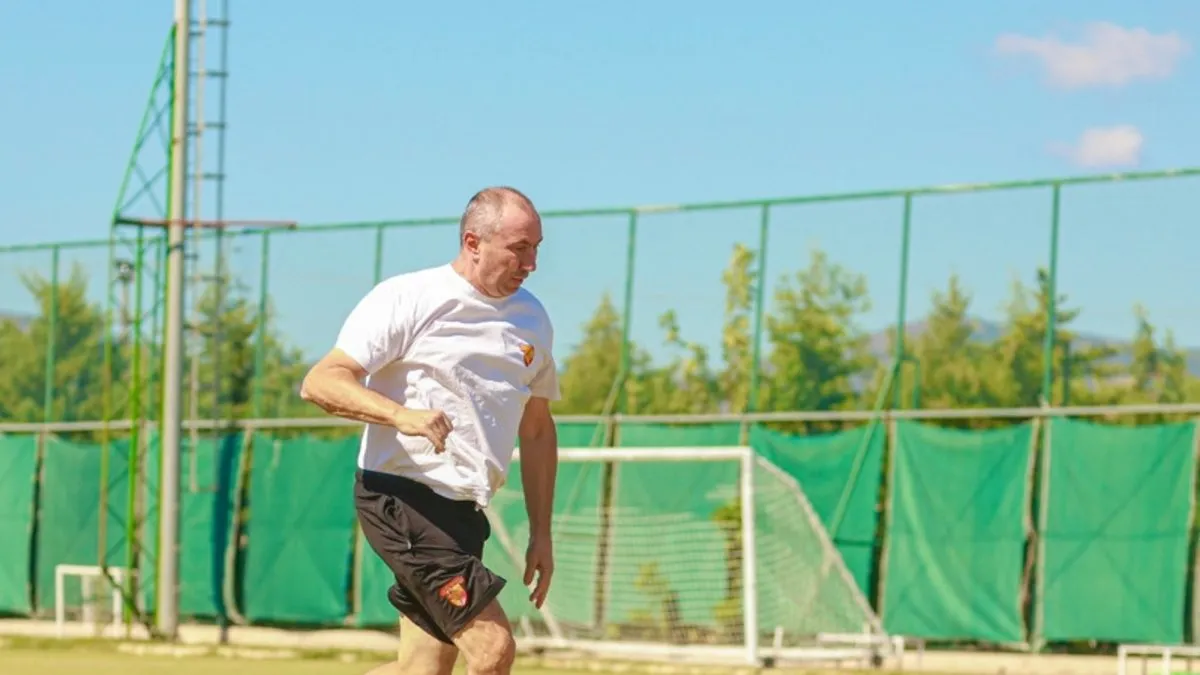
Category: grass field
[36,657]
[57,662]
[27,661]
[21,655]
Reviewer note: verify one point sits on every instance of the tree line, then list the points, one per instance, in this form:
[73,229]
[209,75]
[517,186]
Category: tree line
[816,356]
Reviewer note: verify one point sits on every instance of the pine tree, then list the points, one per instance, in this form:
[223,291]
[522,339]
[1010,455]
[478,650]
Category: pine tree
[78,375]
[736,338]
[1082,372]
[591,369]
[955,367]
[818,353]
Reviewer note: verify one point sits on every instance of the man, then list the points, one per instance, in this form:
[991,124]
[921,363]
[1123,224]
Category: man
[458,365]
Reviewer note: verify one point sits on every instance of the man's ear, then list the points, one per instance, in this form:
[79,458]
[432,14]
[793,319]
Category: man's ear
[471,242]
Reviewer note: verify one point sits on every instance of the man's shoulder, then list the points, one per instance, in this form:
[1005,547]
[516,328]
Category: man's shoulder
[405,294]
[531,304]
[412,288]
[420,278]
[528,298]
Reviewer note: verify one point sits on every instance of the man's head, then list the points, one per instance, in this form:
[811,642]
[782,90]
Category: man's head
[499,234]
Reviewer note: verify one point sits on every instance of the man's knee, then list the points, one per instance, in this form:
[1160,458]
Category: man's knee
[422,654]
[487,643]
[427,660]
[494,658]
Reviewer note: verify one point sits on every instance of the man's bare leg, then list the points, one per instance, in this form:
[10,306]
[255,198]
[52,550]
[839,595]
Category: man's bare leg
[487,642]
[419,654]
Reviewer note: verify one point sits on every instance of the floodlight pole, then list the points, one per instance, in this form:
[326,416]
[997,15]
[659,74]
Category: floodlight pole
[167,616]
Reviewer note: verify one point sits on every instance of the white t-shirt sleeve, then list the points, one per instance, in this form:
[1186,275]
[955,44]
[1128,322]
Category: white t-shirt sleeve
[545,383]
[377,331]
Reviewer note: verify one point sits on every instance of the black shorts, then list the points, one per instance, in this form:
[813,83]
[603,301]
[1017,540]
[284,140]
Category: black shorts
[434,547]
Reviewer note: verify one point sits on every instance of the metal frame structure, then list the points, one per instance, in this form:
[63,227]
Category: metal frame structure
[616,419]
[248,427]
[179,181]
[177,114]
[147,374]
[633,217]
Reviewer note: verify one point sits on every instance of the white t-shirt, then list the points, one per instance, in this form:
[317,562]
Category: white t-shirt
[429,340]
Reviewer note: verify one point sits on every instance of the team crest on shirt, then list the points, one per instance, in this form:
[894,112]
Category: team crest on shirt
[454,592]
[527,353]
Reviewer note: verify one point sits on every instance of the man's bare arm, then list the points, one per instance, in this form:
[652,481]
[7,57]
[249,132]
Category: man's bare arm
[539,464]
[335,385]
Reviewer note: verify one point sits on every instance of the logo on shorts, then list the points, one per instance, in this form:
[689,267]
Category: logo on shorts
[454,592]
[527,352]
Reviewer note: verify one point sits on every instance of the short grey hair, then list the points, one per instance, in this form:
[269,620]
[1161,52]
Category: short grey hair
[486,208]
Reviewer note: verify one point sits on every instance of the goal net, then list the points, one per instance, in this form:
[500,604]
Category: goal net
[683,553]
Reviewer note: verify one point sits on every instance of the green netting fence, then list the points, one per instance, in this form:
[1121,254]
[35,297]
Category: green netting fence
[643,543]
[18,461]
[301,523]
[209,470]
[959,505]
[75,525]
[824,465]
[1117,526]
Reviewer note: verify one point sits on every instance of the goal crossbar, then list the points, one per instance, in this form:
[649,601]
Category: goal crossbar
[699,454]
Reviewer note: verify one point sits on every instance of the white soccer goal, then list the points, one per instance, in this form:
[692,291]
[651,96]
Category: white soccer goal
[1168,657]
[700,554]
[84,596]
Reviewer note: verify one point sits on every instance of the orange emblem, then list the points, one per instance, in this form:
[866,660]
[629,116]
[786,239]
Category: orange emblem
[454,592]
[527,352]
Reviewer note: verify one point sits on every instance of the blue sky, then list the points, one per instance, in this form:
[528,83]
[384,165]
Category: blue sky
[396,110]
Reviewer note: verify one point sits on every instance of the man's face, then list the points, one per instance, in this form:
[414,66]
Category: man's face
[509,255]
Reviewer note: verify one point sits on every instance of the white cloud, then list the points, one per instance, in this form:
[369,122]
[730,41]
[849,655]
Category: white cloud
[1107,55]
[1105,147]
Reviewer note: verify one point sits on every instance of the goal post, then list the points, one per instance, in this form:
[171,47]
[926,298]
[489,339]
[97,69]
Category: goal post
[709,554]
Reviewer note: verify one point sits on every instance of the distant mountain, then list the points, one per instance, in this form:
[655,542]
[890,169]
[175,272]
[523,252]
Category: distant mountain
[988,331]
[21,319]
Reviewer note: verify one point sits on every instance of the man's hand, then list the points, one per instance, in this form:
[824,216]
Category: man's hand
[432,424]
[539,558]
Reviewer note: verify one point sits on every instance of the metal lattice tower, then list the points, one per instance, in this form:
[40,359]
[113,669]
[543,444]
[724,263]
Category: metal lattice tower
[134,328]
[208,78]
[174,185]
